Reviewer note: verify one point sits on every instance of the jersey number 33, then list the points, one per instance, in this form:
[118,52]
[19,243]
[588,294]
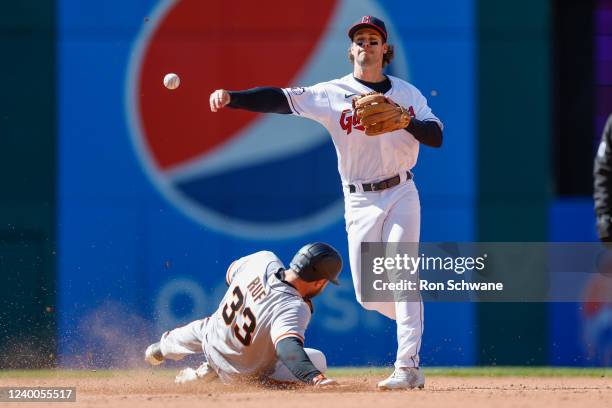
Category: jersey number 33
[229,315]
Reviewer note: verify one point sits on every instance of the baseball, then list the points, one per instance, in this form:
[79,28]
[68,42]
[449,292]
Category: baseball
[172,81]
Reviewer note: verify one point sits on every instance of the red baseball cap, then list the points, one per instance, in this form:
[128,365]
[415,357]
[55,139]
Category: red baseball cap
[369,22]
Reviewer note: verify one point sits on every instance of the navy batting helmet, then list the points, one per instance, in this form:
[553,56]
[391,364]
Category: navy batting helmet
[317,261]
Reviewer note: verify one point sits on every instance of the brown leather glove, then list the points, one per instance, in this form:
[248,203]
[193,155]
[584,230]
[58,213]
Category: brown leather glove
[379,115]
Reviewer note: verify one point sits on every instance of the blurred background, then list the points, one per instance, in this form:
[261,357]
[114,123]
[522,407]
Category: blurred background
[122,203]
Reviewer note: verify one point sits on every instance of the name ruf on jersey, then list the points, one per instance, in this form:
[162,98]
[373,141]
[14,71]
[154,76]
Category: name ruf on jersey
[348,120]
[256,290]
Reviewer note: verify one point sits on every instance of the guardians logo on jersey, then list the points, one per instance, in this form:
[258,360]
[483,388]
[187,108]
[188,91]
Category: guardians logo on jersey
[349,120]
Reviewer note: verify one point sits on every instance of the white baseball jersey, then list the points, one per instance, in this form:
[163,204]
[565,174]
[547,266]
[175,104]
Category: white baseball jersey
[362,158]
[257,311]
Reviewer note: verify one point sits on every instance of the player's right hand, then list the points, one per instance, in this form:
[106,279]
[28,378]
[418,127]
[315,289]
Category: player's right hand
[219,99]
[322,381]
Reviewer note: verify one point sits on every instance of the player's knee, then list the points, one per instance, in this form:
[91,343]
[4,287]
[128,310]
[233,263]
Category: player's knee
[385,308]
[369,305]
[318,359]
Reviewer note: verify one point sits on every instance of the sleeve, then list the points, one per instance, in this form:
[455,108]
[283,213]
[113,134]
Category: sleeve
[602,187]
[602,171]
[261,99]
[290,351]
[423,112]
[235,267]
[310,102]
[291,321]
[427,132]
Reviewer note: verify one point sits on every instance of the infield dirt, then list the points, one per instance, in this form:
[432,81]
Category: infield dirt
[149,388]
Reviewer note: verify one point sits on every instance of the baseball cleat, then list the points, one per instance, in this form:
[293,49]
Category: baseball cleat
[153,354]
[403,379]
[204,373]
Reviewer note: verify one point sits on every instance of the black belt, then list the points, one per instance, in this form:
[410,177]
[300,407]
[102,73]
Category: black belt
[381,185]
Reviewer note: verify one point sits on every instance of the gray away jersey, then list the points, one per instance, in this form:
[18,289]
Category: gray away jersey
[257,311]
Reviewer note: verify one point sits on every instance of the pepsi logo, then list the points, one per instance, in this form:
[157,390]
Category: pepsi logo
[242,173]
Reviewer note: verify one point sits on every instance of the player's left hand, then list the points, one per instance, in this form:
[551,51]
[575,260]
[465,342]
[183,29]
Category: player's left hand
[378,114]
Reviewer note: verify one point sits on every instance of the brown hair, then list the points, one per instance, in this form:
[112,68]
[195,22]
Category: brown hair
[387,57]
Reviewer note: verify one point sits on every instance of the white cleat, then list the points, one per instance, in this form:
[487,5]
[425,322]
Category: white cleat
[204,373]
[403,379]
[185,375]
[153,354]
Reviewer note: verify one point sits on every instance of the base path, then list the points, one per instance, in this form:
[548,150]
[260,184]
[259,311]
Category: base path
[155,388]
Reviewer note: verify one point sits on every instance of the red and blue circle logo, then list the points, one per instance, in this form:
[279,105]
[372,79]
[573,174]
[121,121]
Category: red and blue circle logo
[246,174]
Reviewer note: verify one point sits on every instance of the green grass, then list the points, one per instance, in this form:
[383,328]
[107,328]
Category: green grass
[341,372]
[482,371]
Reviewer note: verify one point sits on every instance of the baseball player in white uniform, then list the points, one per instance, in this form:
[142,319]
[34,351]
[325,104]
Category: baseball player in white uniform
[257,333]
[381,199]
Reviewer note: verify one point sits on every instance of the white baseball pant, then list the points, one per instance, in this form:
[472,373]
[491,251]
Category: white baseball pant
[391,215]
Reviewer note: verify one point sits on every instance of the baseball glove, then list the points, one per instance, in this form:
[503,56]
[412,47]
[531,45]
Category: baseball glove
[379,115]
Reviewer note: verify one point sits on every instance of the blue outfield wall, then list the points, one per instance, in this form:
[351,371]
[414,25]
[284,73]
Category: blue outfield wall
[157,195]
[580,333]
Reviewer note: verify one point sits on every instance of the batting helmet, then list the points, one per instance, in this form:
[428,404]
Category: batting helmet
[317,261]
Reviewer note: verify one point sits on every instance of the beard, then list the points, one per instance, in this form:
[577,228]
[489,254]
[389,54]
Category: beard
[314,293]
